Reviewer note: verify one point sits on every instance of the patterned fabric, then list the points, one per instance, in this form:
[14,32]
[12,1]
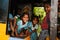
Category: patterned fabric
[45,27]
[46,22]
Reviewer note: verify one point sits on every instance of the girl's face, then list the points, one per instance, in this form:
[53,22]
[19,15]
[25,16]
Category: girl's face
[35,21]
[47,8]
[25,18]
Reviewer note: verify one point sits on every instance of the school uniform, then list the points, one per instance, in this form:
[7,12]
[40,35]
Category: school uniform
[33,36]
[20,26]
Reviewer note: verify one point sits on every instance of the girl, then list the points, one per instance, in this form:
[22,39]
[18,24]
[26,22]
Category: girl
[22,24]
[34,27]
[27,9]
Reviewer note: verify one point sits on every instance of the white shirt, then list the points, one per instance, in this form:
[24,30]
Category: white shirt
[36,27]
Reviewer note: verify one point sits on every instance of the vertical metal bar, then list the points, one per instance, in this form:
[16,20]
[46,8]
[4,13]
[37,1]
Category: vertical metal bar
[53,19]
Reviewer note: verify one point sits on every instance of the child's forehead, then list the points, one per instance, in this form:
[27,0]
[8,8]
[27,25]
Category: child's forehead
[35,19]
[26,15]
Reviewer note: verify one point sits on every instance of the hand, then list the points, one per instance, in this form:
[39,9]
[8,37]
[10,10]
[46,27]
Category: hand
[17,35]
[21,34]
[27,33]
[34,30]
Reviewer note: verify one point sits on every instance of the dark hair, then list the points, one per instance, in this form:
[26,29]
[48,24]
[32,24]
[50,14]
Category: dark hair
[36,18]
[22,15]
[19,9]
[16,10]
[48,3]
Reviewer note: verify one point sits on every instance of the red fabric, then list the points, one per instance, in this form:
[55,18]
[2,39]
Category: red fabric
[44,24]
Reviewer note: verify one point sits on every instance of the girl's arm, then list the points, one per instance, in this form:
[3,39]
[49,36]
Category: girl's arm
[16,31]
[14,22]
[15,27]
[11,26]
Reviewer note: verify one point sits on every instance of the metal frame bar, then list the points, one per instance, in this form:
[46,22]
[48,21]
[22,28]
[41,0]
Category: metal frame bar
[53,19]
